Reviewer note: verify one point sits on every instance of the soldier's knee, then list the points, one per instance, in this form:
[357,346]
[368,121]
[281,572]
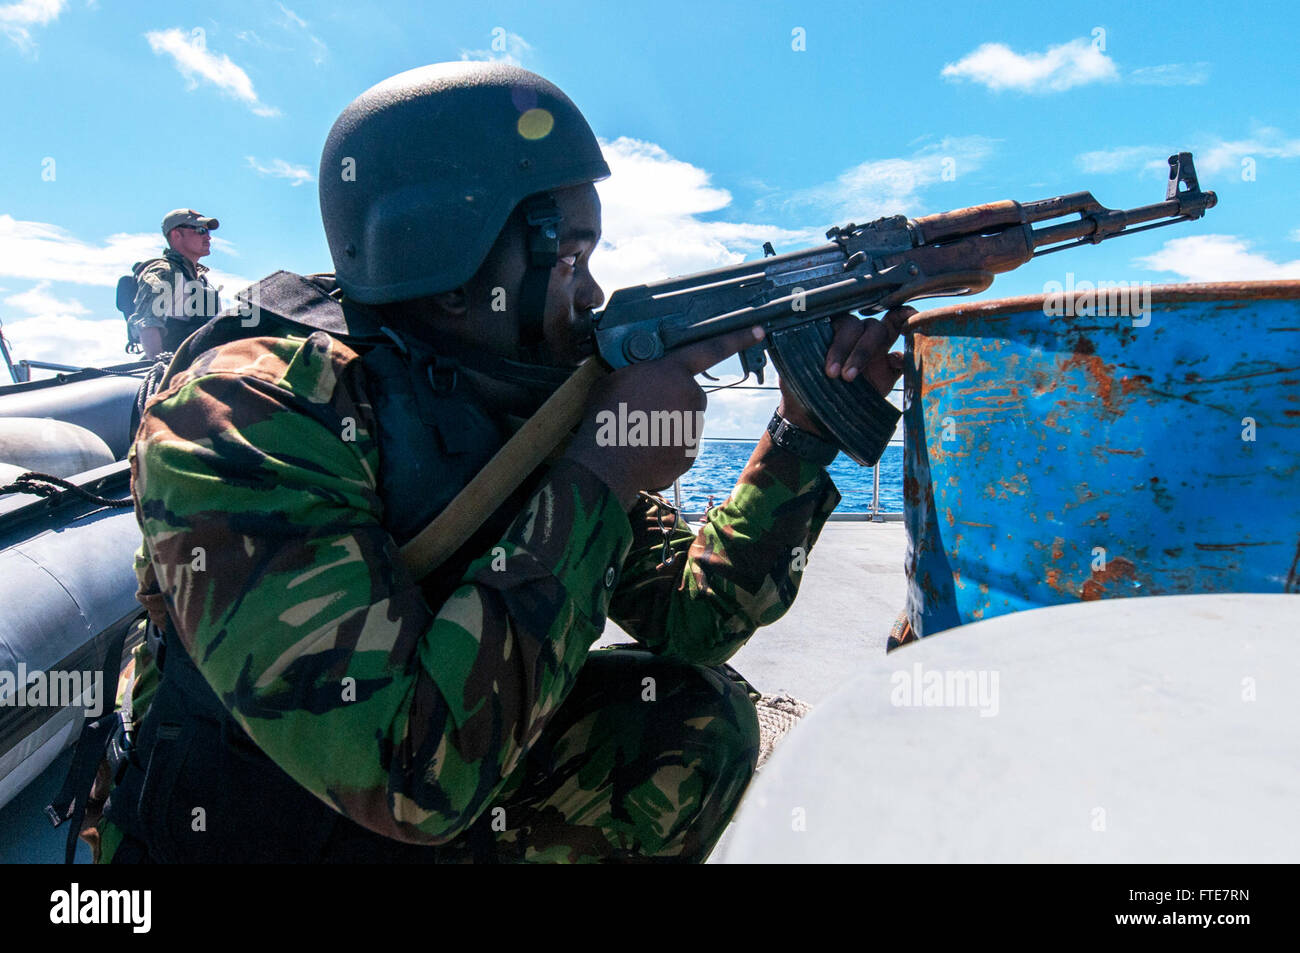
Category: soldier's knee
[727,720]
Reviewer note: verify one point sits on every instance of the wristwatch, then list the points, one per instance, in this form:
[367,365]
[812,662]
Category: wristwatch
[800,442]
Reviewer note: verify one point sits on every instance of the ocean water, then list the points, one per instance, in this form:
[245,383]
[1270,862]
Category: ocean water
[719,463]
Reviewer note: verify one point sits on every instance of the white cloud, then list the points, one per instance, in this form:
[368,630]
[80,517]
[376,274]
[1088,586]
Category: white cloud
[998,67]
[893,186]
[1212,156]
[65,339]
[1217,258]
[280,169]
[53,330]
[740,413]
[195,62]
[18,19]
[1265,143]
[38,301]
[1125,158]
[39,251]
[229,283]
[42,252]
[506,48]
[319,51]
[651,207]
[292,17]
[1295,235]
[1171,74]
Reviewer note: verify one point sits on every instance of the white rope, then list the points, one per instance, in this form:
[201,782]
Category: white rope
[777,714]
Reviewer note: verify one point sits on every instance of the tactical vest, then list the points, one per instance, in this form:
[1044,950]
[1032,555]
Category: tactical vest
[184,320]
[434,435]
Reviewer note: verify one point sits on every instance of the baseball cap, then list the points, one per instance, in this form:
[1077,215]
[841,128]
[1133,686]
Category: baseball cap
[187,216]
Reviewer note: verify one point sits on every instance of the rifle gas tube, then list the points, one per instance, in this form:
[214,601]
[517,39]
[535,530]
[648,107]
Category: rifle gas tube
[868,269]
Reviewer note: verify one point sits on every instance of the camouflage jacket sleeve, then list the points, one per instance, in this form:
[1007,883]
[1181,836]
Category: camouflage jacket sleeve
[739,572]
[254,477]
[159,294]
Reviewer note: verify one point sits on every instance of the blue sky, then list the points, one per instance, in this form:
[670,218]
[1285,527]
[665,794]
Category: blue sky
[722,133]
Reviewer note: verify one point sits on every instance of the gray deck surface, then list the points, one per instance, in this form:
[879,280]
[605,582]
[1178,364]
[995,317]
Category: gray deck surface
[853,589]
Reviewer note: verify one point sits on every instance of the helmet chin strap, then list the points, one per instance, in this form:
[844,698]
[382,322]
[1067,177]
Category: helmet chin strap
[543,219]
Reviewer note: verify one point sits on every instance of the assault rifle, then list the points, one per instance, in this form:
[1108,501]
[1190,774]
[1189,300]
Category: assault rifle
[864,268]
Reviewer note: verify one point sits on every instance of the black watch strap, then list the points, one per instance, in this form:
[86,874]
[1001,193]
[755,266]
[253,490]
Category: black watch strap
[800,442]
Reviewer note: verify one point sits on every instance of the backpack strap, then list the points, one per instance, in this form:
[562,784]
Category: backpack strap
[140,266]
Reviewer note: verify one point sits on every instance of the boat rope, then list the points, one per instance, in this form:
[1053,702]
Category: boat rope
[43,484]
[777,714]
[152,379]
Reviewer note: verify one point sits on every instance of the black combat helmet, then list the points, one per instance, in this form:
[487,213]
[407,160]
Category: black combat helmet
[421,172]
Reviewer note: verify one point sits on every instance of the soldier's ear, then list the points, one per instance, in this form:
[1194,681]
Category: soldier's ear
[454,303]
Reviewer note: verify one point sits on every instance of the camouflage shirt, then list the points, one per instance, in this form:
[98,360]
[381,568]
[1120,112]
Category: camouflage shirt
[264,542]
[173,288]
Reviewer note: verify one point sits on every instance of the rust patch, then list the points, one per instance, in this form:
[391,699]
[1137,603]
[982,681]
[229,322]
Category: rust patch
[1117,569]
[1100,373]
[1129,385]
[1017,484]
[911,490]
[1058,549]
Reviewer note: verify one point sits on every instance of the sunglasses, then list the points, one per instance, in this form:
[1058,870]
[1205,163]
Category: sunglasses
[195,228]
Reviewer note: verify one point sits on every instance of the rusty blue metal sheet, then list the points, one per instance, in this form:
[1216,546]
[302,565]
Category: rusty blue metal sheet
[1053,458]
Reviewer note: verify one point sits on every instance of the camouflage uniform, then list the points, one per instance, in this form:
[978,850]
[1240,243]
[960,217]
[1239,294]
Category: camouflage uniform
[173,293]
[466,711]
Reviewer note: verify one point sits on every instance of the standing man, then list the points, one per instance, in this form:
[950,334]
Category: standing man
[173,297]
[319,703]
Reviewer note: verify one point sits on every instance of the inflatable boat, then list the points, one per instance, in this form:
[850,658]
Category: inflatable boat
[67,587]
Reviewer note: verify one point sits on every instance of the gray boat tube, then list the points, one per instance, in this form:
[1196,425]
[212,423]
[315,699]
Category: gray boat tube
[92,399]
[67,588]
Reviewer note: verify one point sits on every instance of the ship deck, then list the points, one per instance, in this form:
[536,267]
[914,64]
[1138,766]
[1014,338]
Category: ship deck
[852,591]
